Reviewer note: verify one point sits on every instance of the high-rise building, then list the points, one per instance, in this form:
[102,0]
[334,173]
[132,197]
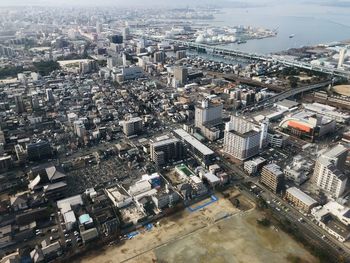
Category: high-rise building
[114,48]
[39,150]
[180,54]
[6,51]
[208,114]
[2,141]
[165,151]
[35,102]
[20,108]
[5,163]
[79,128]
[116,39]
[20,153]
[87,67]
[329,171]
[112,62]
[243,139]
[141,43]
[342,53]
[273,177]
[49,96]
[126,33]
[99,28]
[132,126]
[159,57]
[180,75]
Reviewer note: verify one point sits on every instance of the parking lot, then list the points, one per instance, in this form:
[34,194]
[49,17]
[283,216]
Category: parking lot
[69,238]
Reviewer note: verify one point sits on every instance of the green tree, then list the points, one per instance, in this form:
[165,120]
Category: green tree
[293,82]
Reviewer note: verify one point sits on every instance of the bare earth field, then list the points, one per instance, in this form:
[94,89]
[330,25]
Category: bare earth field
[196,237]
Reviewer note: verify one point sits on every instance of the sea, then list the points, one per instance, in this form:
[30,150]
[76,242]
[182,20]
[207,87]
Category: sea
[311,24]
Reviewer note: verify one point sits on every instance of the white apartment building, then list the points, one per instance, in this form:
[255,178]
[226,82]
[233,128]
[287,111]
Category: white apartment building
[207,116]
[132,126]
[243,139]
[329,171]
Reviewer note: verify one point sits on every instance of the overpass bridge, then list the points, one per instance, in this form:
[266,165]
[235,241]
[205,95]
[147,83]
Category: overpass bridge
[255,56]
[288,93]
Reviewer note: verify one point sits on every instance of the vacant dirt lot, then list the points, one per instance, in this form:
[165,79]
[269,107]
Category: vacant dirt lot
[196,237]
[236,240]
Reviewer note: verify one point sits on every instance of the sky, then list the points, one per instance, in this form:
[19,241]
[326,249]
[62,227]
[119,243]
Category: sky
[180,3]
[137,2]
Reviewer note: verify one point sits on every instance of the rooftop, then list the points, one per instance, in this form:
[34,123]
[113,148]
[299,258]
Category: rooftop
[183,168]
[306,199]
[287,103]
[335,225]
[194,142]
[336,151]
[165,142]
[273,168]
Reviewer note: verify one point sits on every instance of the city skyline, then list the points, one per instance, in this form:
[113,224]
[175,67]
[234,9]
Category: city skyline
[174,131]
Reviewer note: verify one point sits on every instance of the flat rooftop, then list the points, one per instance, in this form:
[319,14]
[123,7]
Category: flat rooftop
[306,199]
[334,224]
[287,103]
[194,142]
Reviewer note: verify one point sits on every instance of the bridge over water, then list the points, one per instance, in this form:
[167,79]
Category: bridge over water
[255,56]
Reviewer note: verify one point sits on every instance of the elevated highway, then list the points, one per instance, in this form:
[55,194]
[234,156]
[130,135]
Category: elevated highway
[255,56]
[287,94]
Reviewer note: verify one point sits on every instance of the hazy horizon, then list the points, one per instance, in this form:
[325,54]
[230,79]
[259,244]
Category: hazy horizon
[223,3]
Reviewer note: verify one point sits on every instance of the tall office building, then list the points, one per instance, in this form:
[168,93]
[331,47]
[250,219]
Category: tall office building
[180,75]
[159,57]
[20,153]
[126,33]
[20,108]
[79,128]
[39,150]
[208,112]
[165,151]
[99,28]
[329,171]
[49,96]
[273,177]
[87,67]
[6,51]
[35,102]
[180,54]
[5,163]
[243,139]
[132,126]
[141,43]
[342,54]
[116,39]
[2,141]
[112,62]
